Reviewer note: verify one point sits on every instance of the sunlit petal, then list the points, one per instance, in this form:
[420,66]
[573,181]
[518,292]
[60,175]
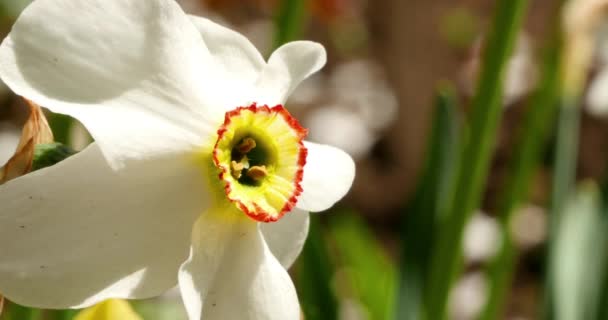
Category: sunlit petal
[79,232]
[231,273]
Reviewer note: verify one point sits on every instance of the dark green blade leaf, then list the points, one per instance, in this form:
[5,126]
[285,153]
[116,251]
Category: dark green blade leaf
[420,215]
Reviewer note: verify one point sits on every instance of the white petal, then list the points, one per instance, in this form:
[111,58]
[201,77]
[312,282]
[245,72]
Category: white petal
[231,273]
[287,67]
[287,236]
[328,174]
[79,232]
[236,55]
[136,73]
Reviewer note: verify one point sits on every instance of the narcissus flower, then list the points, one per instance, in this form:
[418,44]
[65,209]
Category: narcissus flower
[110,309]
[198,175]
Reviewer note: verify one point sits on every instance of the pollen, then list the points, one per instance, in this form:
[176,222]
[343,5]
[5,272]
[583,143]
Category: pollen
[257,173]
[246,145]
[260,155]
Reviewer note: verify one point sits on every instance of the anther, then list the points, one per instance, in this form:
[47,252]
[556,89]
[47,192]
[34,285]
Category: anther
[237,169]
[257,173]
[246,145]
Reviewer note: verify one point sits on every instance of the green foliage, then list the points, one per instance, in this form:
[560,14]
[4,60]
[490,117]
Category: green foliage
[421,213]
[289,21]
[367,269]
[580,257]
[537,123]
[48,154]
[314,276]
[16,312]
[60,125]
[473,169]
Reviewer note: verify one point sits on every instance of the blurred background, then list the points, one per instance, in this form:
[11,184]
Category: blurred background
[376,99]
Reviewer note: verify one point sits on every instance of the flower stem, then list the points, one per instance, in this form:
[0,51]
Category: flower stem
[473,169]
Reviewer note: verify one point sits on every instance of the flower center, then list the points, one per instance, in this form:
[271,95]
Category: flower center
[260,155]
[249,160]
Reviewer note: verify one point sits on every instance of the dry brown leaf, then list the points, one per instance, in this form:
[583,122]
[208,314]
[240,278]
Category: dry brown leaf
[1,304]
[35,131]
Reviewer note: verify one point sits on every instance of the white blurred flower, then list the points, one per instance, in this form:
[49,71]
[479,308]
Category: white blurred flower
[529,226]
[341,128]
[188,159]
[481,238]
[360,85]
[521,72]
[352,310]
[362,106]
[597,94]
[468,296]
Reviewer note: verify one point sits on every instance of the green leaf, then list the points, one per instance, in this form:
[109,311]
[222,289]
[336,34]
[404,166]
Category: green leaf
[314,275]
[48,154]
[60,125]
[419,216]
[67,314]
[289,21]
[564,177]
[580,256]
[16,312]
[526,157]
[368,270]
[473,169]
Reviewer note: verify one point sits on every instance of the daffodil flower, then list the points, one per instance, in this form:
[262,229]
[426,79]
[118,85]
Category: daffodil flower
[110,309]
[198,176]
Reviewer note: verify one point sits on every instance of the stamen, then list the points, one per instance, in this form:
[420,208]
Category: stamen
[246,145]
[257,173]
[236,169]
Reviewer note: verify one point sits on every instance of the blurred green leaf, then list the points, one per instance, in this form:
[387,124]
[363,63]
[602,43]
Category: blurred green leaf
[602,313]
[60,125]
[473,169]
[67,314]
[314,275]
[580,256]
[367,268]
[460,27]
[537,124]
[12,8]
[289,21]
[48,154]
[422,211]
[564,177]
[16,312]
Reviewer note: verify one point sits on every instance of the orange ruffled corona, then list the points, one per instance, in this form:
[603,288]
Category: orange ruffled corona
[261,156]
